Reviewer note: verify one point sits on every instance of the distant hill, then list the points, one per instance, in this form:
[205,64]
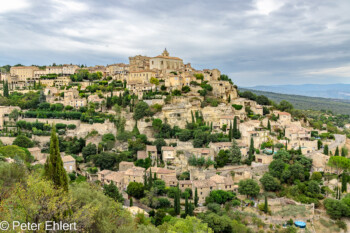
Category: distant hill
[334,91]
[305,102]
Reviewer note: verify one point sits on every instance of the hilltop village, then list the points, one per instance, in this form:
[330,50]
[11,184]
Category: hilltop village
[178,141]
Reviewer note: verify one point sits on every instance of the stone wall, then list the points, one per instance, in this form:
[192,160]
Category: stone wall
[7,140]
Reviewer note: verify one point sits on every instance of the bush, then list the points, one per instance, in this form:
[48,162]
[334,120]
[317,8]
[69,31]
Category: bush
[164,202]
[237,106]
[71,126]
[60,126]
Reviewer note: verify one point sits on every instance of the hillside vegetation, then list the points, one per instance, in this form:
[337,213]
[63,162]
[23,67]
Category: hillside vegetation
[304,102]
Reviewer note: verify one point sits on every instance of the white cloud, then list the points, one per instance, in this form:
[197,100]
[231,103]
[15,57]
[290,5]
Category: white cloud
[13,5]
[342,71]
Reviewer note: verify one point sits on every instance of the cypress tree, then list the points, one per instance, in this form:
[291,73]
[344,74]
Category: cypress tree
[343,152]
[192,117]
[286,145]
[234,132]
[145,180]
[344,181]
[196,198]
[299,150]
[131,202]
[135,130]
[190,209]
[155,176]
[251,147]
[150,181]
[230,133]
[319,144]
[54,169]
[177,201]
[269,126]
[325,150]
[336,152]
[6,89]
[186,205]
[266,208]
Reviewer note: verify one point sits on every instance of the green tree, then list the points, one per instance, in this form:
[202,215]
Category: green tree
[23,141]
[189,224]
[235,134]
[248,187]
[54,169]
[270,183]
[234,155]
[141,110]
[131,203]
[89,150]
[344,182]
[154,81]
[14,114]
[196,198]
[266,206]
[336,152]
[112,191]
[325,150]
[6,89]
[135,189]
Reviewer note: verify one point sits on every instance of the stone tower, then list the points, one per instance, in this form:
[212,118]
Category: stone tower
[165,53]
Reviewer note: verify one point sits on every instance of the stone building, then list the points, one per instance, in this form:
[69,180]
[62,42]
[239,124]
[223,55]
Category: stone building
[138,63]
[23,72]
[165,63]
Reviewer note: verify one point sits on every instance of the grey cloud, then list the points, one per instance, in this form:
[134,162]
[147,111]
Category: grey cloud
[230,35]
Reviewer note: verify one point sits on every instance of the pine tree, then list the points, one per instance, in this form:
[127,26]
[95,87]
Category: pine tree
[131,202]
[196,198]
[336,152]
[325,150]
[54,169]
[344,181]
[6,89]
[266,207]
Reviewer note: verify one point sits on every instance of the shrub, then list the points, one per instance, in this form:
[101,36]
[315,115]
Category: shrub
[71,126]
[237,106]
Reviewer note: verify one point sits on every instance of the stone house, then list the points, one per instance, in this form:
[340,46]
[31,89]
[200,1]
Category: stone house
[217,146]
[152,152]
[168,153]
[123,166]
[135,174]
[263,158]
[69,163]
[184,184]
[102,174]
[36,152]
[116,177]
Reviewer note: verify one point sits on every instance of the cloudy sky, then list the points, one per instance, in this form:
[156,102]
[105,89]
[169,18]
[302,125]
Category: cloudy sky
[255,42]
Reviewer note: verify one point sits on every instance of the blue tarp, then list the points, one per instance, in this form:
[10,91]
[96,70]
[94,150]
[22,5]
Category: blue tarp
[300,224]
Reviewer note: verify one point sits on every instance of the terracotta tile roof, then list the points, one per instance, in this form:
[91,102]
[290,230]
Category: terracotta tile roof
[187,182]
[204,183]
[169,148]
[175,58]
[160,170]
[151,148]
[141,154]
[104,172]
[284,113]
[115,176]
[218,179]
[67,159]
[135,171]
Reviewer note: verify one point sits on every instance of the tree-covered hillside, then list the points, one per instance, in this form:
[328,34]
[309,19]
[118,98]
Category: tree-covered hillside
[304,102]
